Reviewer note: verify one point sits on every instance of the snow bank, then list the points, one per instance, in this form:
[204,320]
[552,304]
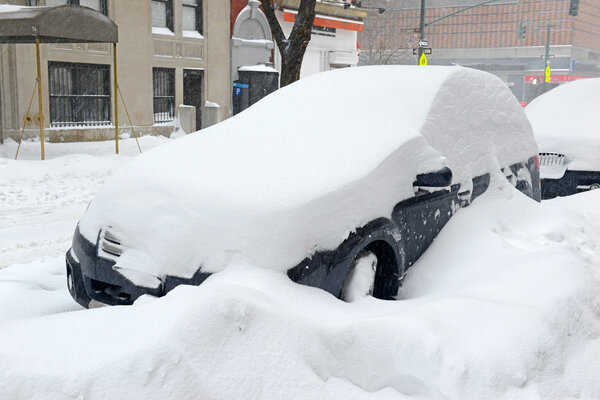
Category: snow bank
[509,310]
[302,168]
[41,201]
[565,120]
[10,8]
[34,289]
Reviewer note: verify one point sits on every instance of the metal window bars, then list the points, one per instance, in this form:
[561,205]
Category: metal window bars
[163,82]
[79,94]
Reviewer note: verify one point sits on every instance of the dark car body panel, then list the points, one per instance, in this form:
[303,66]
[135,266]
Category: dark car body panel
[569,183]
[398,241]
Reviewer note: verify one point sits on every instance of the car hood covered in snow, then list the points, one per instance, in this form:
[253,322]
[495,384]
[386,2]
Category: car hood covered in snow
[565,120]
[302,168]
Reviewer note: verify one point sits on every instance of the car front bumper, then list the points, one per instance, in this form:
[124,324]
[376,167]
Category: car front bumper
[91,277]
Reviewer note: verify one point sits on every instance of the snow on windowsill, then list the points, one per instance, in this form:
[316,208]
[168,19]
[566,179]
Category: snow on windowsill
[162,31]
[192,34]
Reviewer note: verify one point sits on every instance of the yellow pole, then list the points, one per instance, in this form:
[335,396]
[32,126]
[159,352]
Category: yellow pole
[39,85]
[116,100]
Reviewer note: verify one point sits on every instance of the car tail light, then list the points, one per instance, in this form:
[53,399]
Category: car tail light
[536,161]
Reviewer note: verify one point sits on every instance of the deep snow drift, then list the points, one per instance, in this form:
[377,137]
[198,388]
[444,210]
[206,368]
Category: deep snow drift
[504,305]
[273,191]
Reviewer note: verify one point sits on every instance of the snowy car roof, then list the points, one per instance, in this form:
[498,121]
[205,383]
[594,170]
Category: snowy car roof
[566,120]
[309,163]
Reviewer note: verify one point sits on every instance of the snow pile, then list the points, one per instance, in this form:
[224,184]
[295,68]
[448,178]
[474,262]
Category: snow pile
[504,305]
[34,289]
[305,166]
[8,8]
[566,119]
[41,201]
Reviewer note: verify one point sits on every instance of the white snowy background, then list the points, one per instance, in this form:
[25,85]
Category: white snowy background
[504,305]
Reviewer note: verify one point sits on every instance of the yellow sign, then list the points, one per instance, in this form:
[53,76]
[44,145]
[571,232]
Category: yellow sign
[423,60]
[547,78]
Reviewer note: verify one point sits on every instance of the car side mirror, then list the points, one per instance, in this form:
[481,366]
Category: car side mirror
[436,179]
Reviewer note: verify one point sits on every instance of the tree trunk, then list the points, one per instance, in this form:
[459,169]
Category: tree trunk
[292,49]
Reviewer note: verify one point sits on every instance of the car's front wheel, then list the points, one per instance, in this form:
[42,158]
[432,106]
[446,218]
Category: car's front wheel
[360,281]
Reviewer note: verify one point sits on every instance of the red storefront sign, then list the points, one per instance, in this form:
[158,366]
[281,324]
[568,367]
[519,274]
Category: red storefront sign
[554,78]
[327,22]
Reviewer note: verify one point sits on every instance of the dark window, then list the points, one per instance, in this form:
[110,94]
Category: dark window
[79,94]
[191,15]
[98,5]
[162,14]
[163,82]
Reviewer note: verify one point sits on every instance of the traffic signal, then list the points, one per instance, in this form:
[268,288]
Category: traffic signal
[574,8]
[522,30]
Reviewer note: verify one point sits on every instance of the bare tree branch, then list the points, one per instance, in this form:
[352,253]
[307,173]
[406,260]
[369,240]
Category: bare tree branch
[276,30]
[293,48]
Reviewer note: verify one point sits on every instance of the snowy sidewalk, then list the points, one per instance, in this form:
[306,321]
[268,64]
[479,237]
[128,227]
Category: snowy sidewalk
[41,201]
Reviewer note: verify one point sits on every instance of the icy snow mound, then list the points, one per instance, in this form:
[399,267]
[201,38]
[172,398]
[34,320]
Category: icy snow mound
[566,120]
[509,311]
[305,166]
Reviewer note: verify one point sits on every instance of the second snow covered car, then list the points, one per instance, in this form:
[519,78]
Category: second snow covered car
[341,180]
[565,124]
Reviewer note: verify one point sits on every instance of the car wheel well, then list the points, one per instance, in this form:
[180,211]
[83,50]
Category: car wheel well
[387,277]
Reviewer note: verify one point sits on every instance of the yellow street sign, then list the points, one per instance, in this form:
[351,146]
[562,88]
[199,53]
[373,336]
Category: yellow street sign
[547,78]
[423,60]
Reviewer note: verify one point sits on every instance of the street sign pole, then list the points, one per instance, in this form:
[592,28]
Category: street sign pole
[547,56]
[421,32]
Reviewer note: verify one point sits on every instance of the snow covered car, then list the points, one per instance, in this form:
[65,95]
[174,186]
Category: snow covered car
[341,180]
[565,124]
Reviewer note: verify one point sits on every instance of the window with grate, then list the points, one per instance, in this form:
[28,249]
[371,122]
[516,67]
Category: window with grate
[98,5]
[79,94]
[163,82]
[162,14]
[191,15]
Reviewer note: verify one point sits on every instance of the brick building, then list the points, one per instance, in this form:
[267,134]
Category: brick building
[487,37]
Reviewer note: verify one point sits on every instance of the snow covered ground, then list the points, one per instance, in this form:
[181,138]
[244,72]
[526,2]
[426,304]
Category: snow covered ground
[504,305]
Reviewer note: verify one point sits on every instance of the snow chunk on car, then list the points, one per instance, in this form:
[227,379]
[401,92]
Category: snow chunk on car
[306,166]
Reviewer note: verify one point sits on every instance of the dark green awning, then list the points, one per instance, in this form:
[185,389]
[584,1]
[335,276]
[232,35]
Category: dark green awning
[62,24]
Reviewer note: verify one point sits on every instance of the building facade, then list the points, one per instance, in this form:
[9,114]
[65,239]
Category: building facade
[507,38]
[170,52]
